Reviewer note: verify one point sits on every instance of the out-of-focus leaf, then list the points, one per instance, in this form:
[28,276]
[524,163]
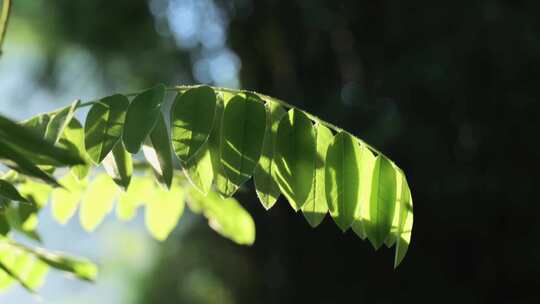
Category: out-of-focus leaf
[119,165]
[97,202]
[342,184]
[157,150]
[73,139]
[382,202]
[192,117]
[243,129]
[264,175]
[9,192]
[103,126]
[141,117]
[316,207]
[66,200]
[30,144]
[4,225]
[295,146]
[226,216]
[163,211]
[59,121]
[140,191]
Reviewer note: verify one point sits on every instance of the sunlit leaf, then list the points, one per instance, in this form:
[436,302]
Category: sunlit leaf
[405,220]
[157,150]
[59,121]
[226,216]
[192,116]
[214,145]
[141,117]
[163,211]
[97,202]
[73,139]
[316,207]
[199,170]
[119,165]
[140,191]
[103,126]
[8,191]
[243,129]
[382,201]
[264,175]
[362,217]
[65,200]
[343,179]
[295,146]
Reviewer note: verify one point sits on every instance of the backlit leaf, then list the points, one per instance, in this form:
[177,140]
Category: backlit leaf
[59,121]
[367,163]
[157,150]
[97,202]
[243,129]
[73,139]
[343,179]
[141,117]
[405,220]
[163,211]
[192,116]
[295,146]
[316,207]
[65,200]
[14,160]
[119,165]
[199,170]
[264,175]
[104,125]
[140,191]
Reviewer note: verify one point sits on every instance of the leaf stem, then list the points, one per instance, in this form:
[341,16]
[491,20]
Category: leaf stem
[4,17]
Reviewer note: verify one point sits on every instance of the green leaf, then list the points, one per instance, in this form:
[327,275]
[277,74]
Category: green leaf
[362,218]
[4,225]
[97,202]
[243,128]
[316,207]
[404,213]
[342,179]
[14,160]
[66,200]
[119,165]
[30,145]
[225,216]
[199,170]
[140,191]
[141,117]
[104,125]
[59,121]
[9,192]
[163,211]
[73,139]
[264,175]
[157,150]
[295,146]
[192,117]
[382,201]
[214,145]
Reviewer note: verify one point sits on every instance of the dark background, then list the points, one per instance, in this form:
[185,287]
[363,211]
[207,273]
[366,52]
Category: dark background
[447,89]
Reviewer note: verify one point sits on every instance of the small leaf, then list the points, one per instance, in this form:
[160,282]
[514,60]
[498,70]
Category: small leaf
[342,179]
[157,150]
[382,201]
[140,191]
[295,143]
[14,160]
[163,211]
[243,128]
[226,216]
[73,139]
[141,117]
[66,200]
[264,175]
[97,202]
[214,145]
[192,117]
[405,220]
[9,192]
[316,207]
[104,125]
[119,165]
[59,121]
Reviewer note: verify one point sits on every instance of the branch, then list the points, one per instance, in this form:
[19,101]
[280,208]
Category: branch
[4,17]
